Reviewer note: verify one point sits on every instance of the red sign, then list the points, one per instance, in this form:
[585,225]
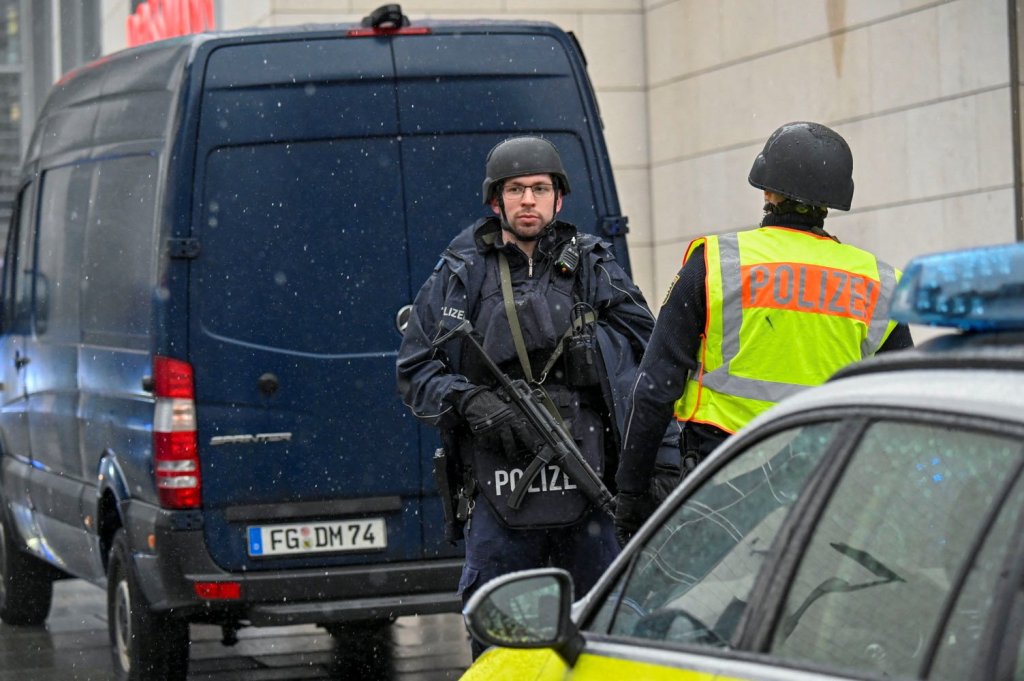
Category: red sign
[158,19]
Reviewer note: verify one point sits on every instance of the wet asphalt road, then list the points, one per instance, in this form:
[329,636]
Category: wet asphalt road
[74,647]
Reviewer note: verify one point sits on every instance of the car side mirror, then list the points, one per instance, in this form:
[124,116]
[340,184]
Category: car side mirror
[527,609]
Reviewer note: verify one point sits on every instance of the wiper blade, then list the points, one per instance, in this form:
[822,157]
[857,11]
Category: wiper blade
[866,560]
[837,585]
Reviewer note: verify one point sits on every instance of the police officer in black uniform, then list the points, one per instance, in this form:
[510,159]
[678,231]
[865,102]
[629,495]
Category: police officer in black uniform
[581,326]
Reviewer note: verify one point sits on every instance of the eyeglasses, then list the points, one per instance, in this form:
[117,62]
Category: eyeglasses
[516,191]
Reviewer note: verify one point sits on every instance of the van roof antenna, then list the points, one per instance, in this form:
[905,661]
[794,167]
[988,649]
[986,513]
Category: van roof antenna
[385,17]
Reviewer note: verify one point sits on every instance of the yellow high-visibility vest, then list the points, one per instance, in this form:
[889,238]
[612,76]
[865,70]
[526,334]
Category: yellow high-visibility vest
[786,309]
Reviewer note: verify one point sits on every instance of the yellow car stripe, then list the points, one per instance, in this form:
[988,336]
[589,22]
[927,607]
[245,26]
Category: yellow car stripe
[506,664]
[593,667]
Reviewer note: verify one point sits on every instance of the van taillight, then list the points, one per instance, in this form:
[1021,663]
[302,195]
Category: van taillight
[175,447]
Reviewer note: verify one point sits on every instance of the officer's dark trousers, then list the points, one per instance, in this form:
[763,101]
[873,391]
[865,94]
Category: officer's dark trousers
[584,550]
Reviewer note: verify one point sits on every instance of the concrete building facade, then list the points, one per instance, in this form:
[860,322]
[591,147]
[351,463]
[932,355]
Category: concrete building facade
[925,91]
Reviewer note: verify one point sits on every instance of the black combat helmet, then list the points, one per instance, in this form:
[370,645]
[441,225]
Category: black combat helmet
[523,156]
[806,162]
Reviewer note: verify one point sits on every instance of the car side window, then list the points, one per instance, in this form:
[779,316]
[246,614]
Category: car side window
[18,275]
[692,580]
[870,587]
[117,301]
[63,208]
[958,650]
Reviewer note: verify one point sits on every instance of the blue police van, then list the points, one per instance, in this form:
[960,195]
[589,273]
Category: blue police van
[213,242]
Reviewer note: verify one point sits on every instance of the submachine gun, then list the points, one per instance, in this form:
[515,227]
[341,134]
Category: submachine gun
[558,448]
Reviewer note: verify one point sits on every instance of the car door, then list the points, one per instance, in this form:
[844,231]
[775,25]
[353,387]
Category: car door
[837,548]
[17,277]
[57,478]
[984,632]
[293,294]
[892,571]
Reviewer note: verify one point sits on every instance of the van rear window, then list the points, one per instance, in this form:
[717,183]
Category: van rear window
[302,246]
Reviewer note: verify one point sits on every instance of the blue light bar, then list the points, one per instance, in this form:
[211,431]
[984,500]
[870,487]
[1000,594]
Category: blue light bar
[980,289]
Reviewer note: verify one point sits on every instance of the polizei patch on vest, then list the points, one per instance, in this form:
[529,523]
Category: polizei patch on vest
[810,288]
[549,478]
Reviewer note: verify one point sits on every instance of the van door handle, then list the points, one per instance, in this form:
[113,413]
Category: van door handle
[20,360]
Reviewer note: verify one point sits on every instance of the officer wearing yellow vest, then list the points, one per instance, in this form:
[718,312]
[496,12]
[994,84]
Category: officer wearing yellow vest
[757,315]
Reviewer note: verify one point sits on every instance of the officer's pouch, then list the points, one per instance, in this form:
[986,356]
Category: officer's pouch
[445,490]
[464,501]
[689,449]
[581,349]
[457,490]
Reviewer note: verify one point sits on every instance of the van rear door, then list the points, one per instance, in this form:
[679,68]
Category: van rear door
[302,266]
[461,90]
[328,169]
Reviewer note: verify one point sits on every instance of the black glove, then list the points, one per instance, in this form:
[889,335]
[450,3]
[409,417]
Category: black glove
[631,511]
[497,424]
[485,412]
[665,479]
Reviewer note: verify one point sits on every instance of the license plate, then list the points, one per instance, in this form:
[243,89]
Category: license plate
[364,534]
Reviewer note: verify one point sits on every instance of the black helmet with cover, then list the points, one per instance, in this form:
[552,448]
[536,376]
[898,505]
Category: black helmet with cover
[807,162]
[520,156]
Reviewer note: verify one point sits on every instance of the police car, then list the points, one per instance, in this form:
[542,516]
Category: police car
[869,528]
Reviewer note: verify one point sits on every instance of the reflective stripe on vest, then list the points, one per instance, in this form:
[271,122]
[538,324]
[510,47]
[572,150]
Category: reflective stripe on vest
[794,291]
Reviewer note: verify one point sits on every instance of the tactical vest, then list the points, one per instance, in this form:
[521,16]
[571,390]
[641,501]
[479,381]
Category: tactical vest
[543,305]
[785,309]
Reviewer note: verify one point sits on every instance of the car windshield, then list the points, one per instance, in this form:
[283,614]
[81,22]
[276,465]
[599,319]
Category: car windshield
[691,581]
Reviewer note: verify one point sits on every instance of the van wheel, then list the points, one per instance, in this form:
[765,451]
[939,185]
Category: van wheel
[146,645]
[362,649]
[26,584]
